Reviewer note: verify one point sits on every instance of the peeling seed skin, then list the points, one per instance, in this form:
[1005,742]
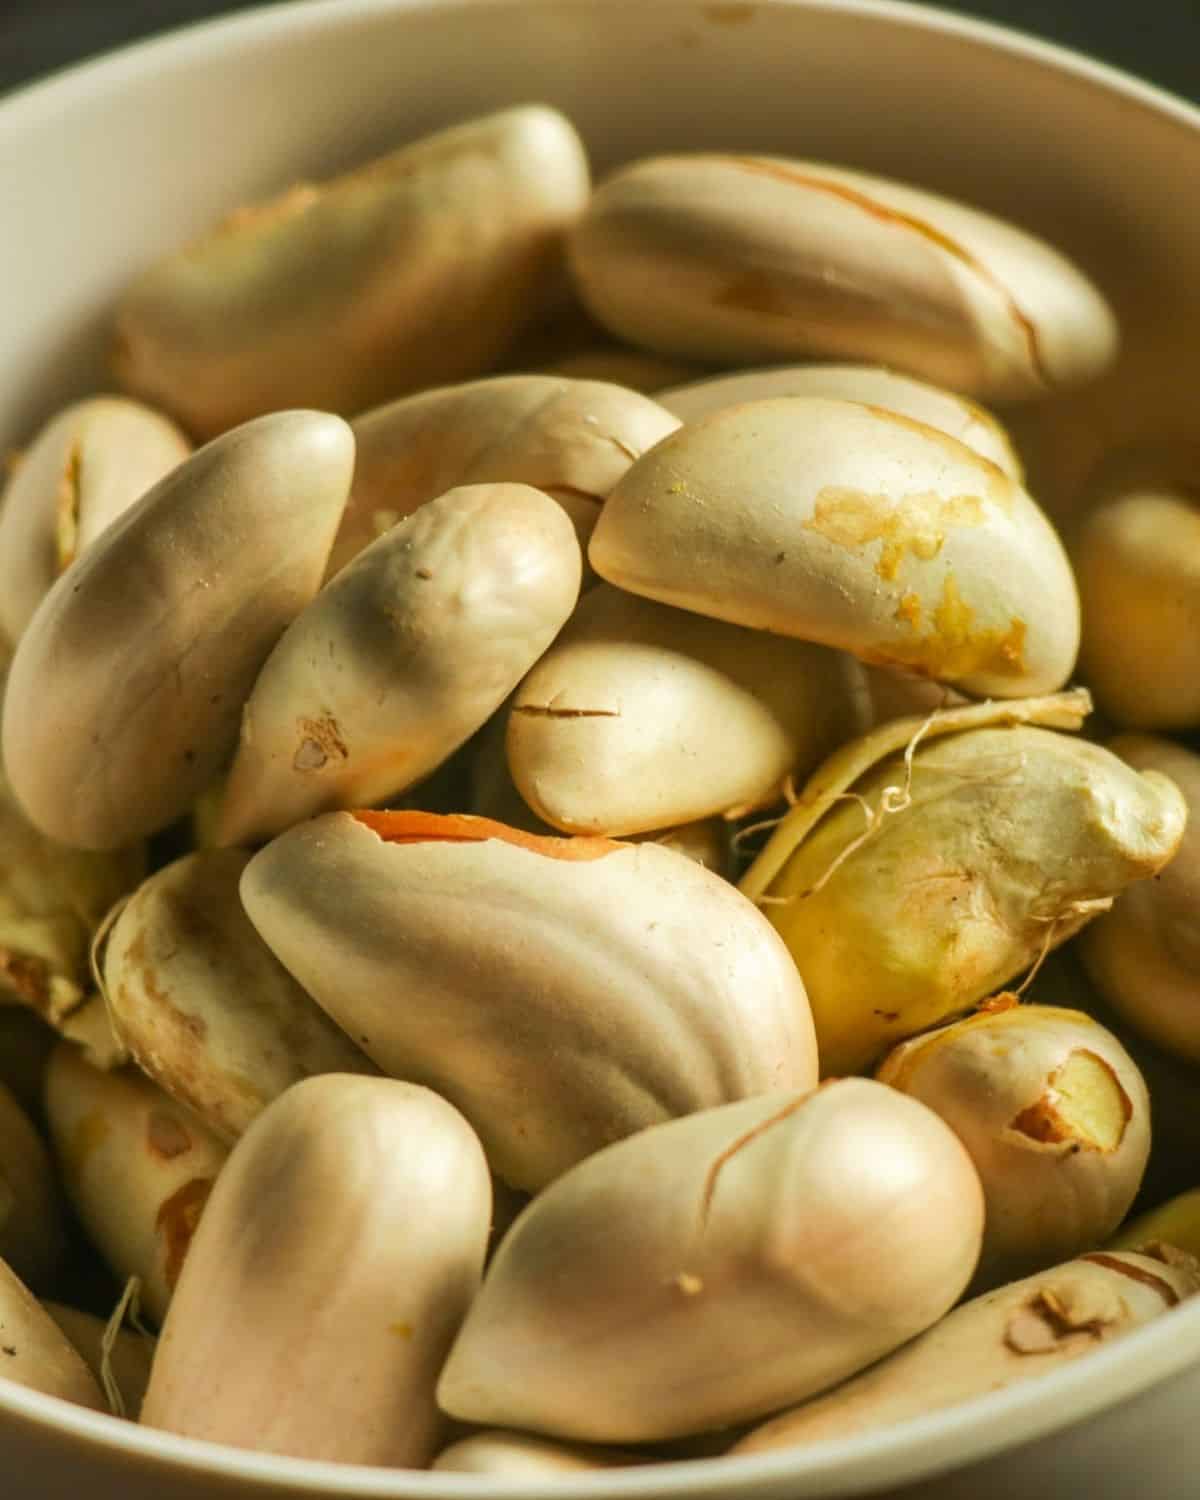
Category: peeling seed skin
[562,994]
[1009,841]
[31,1221]
[1053,1113]
[402,657]
[304,1322]
[126,688]
[52,900]
[34,1352]
[743,260]
[1015,1333]
[640,717]
[81,471]
[572,439]
[136,1165]
[130,1357]
[854,527]
[519,1455]
[205,1008]
[710,1270]
[834,780]
[870,384]
[1137,558]
[418,268]
[1144,955]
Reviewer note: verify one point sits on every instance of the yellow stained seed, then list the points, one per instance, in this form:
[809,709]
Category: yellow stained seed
[908,894]
[917,523]
[849,525]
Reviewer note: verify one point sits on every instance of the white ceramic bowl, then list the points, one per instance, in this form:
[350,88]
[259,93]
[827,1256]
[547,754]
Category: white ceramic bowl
[108,165]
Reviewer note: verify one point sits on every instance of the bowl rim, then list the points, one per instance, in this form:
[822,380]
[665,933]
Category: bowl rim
[27,101]
[919,1447]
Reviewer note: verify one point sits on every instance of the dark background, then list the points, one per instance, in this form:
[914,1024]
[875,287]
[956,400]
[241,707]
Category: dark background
[1157,39]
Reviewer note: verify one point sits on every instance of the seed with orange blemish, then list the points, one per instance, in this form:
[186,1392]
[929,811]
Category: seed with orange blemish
[575,990]
[405,827]
[751,259]
[176,1224]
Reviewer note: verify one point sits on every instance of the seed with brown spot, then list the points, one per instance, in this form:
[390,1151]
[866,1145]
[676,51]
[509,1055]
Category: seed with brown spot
[166,1136]
[1050,1319]
[176,1223]
[322,742]
[1147,1278]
